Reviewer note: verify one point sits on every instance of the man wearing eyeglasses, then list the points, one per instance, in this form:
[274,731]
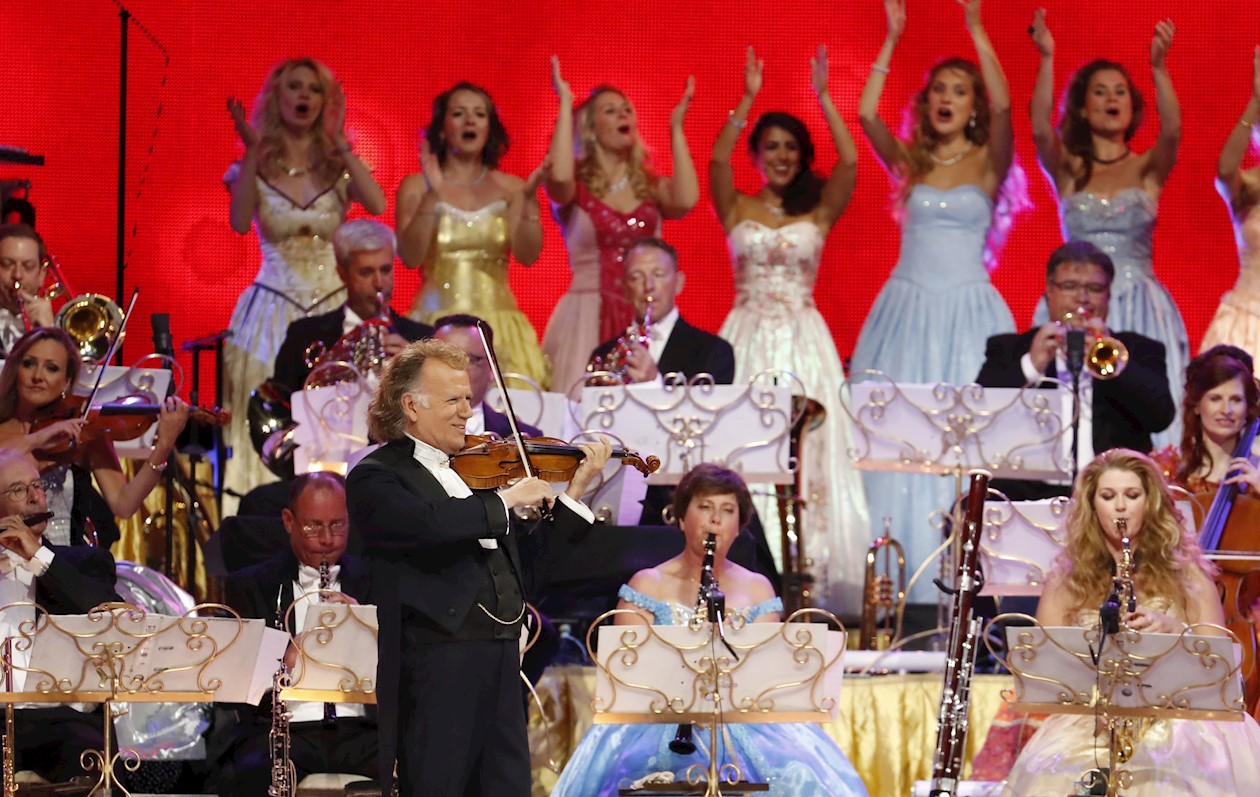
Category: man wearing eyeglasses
[63,580]
[324,738]
[1122,412]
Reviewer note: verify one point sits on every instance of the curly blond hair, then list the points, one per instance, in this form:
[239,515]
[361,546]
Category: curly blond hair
[921,136]
[1166,556]
[643,179]
[325,160]
[387,421]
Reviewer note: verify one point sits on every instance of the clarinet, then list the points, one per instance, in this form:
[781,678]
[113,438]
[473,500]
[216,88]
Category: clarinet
[283,782]
[325,580]
[952,724]
[682,743]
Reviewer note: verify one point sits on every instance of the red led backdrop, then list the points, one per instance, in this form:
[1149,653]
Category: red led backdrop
[61,75]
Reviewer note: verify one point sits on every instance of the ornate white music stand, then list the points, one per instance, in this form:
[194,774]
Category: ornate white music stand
[742,427]
[760,673]
[1122,678]
[120,653]
[337,647]
[1019,542]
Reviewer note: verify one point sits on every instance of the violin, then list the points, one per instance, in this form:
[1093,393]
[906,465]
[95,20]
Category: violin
[487,462]
[124,420]
[1229,532]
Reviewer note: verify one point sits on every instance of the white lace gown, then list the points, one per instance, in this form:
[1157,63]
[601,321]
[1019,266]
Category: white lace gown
[297,278]
[775,325]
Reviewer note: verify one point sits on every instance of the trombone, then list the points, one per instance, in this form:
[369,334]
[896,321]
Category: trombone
[90,319]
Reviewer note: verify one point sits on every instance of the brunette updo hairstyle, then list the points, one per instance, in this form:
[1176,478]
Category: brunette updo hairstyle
[1209,370]
[496,139]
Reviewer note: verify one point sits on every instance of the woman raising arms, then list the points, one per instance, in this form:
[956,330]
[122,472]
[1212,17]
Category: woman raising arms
[1237,320]
[605,195]
[1109,194]
[776,238]
[462,217]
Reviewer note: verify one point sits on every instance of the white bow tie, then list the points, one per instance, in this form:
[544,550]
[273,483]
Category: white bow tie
[12,563]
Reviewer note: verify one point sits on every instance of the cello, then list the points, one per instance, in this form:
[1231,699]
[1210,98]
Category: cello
[1230,536]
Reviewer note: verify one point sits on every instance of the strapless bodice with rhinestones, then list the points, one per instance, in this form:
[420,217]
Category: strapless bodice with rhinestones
[1123,226]
[942,239]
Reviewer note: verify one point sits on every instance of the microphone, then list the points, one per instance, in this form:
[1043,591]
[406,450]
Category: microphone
[162,341]
[1075,351]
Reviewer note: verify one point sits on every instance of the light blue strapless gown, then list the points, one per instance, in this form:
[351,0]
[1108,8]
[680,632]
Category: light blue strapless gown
[797,760]
[1123,226]
[929,324]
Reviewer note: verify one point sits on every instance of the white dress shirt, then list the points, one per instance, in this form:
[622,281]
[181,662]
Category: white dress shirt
[308,582]
[1085,429]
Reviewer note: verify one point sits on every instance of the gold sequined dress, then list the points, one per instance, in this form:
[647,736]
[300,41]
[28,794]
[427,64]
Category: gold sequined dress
[467,272]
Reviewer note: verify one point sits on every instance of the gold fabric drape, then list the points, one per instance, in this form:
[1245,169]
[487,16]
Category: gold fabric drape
[886,724]
[144,536]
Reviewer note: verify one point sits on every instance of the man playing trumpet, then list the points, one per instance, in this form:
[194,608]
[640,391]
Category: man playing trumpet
[1117,409]
[23,259]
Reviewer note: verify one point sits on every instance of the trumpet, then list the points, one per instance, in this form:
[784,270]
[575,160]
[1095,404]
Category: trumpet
[883,597]
[612,367]
[1105,356]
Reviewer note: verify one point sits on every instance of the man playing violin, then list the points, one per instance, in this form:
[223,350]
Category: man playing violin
[1122,412]
[62,580]
[22,271]
[460,330]
[445,576]
[364,250]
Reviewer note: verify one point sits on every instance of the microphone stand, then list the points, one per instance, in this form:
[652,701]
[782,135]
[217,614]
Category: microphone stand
[210,342]
[1075,364]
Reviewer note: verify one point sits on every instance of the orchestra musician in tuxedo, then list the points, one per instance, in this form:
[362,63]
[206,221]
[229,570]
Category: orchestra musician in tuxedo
[1121,412]
[365,253]
[651,270]
[63,579]
[460,330]
[446,580]
[345,742]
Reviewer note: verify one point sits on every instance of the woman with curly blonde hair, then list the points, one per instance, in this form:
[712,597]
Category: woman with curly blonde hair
[606,196]
[295,183]
[1174,591]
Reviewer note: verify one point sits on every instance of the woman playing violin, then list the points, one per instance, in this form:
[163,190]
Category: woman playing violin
[37,377]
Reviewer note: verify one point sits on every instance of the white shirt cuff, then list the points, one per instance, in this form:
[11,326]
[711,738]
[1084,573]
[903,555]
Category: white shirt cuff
[1031,375]
[38,564]
[582,510]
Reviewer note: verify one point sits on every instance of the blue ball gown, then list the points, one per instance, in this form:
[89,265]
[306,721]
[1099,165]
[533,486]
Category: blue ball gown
[797,760]
[929,324]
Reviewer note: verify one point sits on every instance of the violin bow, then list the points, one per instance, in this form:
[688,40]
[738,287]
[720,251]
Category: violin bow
[507,400]
[113,348]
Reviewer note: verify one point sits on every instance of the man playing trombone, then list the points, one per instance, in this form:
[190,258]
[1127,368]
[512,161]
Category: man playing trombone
[1123,381]
[23,260]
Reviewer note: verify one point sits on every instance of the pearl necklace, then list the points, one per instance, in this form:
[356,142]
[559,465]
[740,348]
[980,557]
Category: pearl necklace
[484,171]
[291,171]
[953,160]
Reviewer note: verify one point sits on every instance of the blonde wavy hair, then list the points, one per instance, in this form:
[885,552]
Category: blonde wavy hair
[387,421]
[921,137]
[643,179]
[266,120]
[1165,556]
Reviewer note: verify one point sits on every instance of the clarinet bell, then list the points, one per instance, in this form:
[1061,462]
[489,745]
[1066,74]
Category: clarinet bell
[681,744]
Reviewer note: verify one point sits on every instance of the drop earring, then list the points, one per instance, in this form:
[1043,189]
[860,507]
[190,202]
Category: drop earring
[972,123]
